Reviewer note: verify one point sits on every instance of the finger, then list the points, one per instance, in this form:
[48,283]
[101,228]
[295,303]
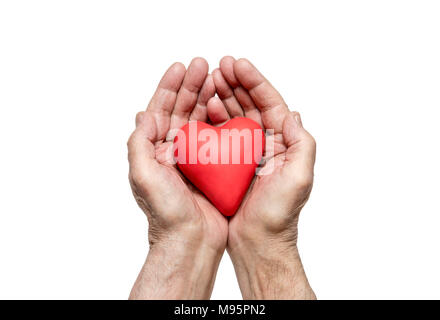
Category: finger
[188,93]
[163,100]
[268,100]
[217,112]
[250,110]
[241,94]
[227,69]
[225,93]
[199,112]
[301,148]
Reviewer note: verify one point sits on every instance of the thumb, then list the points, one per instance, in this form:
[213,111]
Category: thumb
[301,149]
[141,151]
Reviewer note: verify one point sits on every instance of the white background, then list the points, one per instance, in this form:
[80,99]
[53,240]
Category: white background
[365,76]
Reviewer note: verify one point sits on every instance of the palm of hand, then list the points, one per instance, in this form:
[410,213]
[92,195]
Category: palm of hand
[185,198]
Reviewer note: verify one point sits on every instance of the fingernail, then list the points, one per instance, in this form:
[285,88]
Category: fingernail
[298,119]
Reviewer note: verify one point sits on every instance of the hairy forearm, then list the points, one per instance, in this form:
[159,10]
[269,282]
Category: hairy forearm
[270,272]
[177,270]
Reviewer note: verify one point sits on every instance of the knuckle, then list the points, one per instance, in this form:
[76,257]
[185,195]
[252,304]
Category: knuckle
[139,117]
[130,148]
[130,141]
[311,141]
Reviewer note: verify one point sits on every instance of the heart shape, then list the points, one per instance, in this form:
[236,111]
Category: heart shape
[220,161]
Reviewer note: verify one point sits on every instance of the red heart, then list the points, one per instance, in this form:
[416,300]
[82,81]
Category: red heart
[220,161]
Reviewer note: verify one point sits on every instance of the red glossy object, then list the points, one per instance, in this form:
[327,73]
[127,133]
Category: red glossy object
[220,161]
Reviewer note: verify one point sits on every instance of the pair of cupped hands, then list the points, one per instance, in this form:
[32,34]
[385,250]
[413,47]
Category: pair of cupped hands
[187,234]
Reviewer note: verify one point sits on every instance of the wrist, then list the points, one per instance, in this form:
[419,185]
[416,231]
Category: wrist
[270,269]
[194,235]
[177,268]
